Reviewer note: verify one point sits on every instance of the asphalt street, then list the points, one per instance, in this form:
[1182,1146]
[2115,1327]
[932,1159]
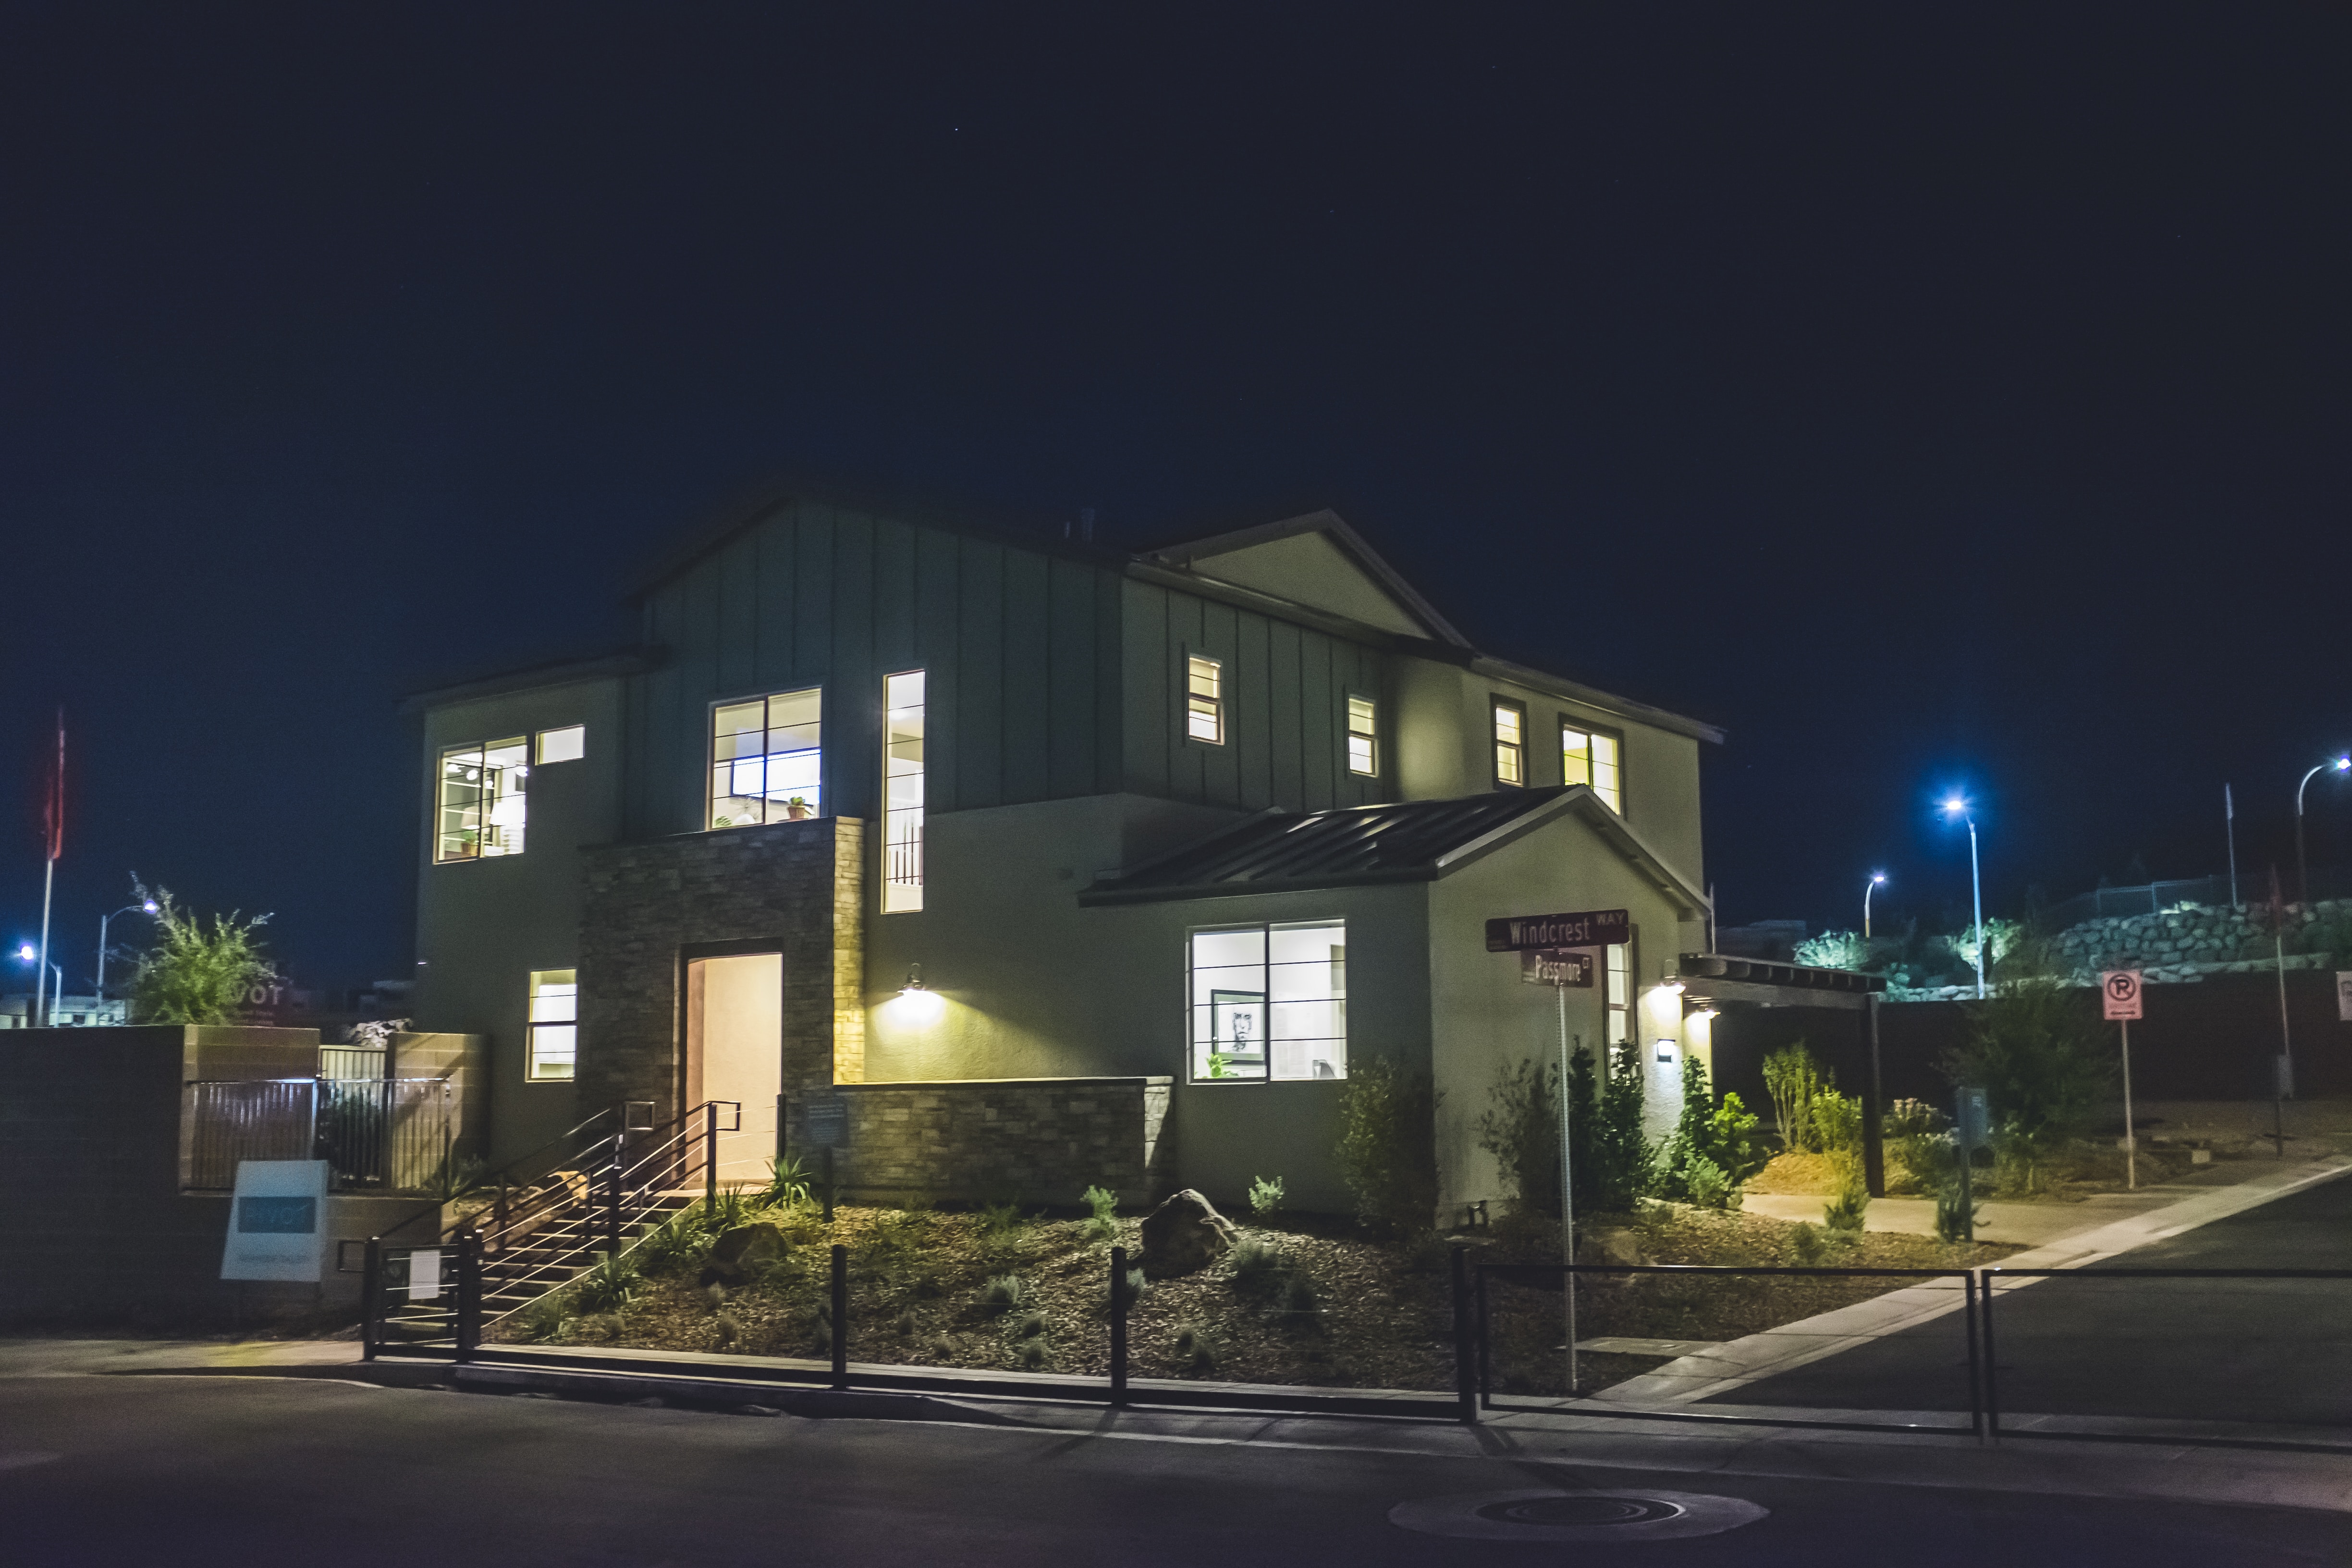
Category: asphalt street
[258,1471]
[2202,1350]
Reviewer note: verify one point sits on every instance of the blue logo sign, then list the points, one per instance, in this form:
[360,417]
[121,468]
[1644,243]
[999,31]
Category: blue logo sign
[278,1216]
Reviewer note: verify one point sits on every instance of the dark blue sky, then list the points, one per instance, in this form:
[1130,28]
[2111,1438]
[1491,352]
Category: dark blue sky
[1926,397]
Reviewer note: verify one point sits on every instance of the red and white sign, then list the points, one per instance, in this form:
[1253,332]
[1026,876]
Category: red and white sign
[2119,990]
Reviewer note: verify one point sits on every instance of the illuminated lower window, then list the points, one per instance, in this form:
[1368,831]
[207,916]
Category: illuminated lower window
[554,1023]
[1363,736]
[1270,1002]
[481,804]
[767,759]
[1620,1000]
[902,791]
[1589,757]
[1205,700]
[1510,744]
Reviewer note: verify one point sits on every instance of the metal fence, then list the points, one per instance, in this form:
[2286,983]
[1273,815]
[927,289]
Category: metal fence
[387,1134]
[2155,898]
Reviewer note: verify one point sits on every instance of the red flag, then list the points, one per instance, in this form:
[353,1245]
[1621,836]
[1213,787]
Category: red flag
[53,799]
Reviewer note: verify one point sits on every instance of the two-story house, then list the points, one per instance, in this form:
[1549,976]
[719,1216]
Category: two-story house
[1002,864]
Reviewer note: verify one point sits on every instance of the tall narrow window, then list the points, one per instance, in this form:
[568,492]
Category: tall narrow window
[1589,757]
[902,791]
[1620,1001]
[1205,700]
[481,800]
[1510,744]
[1363,736]
[554,1023]
[1270,1002]
[767,759]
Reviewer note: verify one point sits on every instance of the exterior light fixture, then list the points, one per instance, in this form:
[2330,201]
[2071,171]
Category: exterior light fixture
[2342,764]
[1878,879]
[1958,805]
[917,1003]
[26,953]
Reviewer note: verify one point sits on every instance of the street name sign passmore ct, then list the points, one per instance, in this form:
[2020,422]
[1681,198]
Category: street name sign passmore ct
[1587,928]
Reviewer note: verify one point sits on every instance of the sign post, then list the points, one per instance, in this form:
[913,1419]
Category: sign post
[2119,991]
[1970,1127]
[1552,951]
[276,1220]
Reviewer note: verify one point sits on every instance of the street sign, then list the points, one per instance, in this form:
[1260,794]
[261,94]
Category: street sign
[1556,966]
[1970,1118]
[2119,990]
[827,1122]
[1587,928]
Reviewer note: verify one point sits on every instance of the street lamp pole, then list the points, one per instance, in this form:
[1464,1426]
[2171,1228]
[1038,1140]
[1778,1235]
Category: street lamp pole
[146,906]
[1956,806]
[2303,871]
[1876,878]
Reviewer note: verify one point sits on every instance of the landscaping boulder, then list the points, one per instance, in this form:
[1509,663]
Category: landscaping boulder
[737,1250]
[1184,1234]
[1618,1248]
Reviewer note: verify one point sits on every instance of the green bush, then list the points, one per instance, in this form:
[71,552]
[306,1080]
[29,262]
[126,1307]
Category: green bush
[789,1182]
[2037,1051]
[1612,1160]
[1003,1293]
[1837,1124]
[1102,1226]
[607,1287]
[1031,1355]
[1265,1197]
[1196,1348]
[1714,1149]
[1844,1213]
[1792,1078]
[1386,1152]
[1954,1220]
[1259,1268]
[998,1222]
[677,1244]
[1029,1326]
[195,973]
[1806,1242]
[1521,1130]
[1705,1184]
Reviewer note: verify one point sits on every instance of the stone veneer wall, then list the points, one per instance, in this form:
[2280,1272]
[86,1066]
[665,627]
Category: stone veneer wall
[798,885]
[1037,1140]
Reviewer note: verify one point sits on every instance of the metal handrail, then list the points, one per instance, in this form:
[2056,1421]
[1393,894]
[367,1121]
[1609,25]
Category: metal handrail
[504,1174]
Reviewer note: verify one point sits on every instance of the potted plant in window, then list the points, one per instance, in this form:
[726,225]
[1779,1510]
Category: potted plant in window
[795,809]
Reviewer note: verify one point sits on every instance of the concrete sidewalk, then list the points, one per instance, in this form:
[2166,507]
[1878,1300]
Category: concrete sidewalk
[2097,1235]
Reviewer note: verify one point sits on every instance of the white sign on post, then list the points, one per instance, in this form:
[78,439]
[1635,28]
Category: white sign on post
[2119,989]
[276,1220]
[2344,994]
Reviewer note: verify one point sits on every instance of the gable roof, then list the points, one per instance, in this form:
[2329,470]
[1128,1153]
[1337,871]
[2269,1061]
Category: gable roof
[1295,559]
[1407,841]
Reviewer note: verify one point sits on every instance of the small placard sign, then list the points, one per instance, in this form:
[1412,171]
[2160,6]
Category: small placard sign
[274,1221]
[1556,966]
[826,1121]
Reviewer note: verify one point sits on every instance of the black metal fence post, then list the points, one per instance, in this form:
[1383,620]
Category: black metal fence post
[710,1156]
[1991,1367]
[1968,1283]
[1117,1326]
[469,1293]
[1466,1371]
[828,1183]
[840,1316]
[1486,1369]
[613,1203]
[371,1298]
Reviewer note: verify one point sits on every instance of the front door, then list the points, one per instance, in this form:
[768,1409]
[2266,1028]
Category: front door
[735,1051]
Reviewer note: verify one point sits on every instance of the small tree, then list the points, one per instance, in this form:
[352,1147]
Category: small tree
[2036,1051]
[196,972]
[1624,1163]
[1521,1130]
[1793,1079]
[1386,1151]
[1714,1148]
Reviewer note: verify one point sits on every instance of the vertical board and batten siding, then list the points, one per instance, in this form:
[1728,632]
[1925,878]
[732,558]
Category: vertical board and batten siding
[1021,649]
[1286,690]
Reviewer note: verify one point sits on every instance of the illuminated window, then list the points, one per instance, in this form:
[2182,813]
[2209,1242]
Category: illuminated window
[767,757]
[1620,1001]
[1204,708]
[554,1023]
[1363,736]
[481,800]
[1511,743]
[566,745]
[1589,757]
[902,791]
[1270,1002]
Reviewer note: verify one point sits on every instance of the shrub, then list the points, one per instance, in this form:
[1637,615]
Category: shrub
[195,973]
[1806,1243]
[1196,1348]
[1031,1355]
[1911,1119]
[1705,1184]
[999,1221]
[1265,1197]
[943,1346]
[1844,1213]
[1833,950]
[1003,1293]
[1386,1151]
[1521,1130]
[1714,1149]
[790,1183]
[608,1286]
[1792,1078]
[905,1324]
[1954,1220]
[1136,1284]
[1837,1124]
[1300,1303]
[1102,1226]
[2034,1049]
[1259,1268]
[1029,1326]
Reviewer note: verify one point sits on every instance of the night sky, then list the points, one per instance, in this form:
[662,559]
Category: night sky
[1929,397]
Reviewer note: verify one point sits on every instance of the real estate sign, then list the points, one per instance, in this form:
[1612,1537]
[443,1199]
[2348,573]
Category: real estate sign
[276,1220]
[1586,928]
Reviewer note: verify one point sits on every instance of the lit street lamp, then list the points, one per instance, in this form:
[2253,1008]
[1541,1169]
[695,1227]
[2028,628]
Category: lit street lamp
[2301,872]
[1957,806]
[1876,878]
[28,954]
[145,907]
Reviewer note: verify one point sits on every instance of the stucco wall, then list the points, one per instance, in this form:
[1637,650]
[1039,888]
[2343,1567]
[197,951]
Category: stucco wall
[1028,1141]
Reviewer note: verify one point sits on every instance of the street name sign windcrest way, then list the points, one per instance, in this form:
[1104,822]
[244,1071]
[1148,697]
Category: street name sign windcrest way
[1585,928]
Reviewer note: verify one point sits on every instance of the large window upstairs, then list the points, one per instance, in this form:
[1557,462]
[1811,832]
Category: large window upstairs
[1363,736]
[902,792]
[1205,700]
[480,811]
[767,757]
[1589,757]
[554,1024]
[1510,744]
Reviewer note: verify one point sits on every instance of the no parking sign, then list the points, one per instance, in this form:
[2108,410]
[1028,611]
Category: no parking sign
[2119,990]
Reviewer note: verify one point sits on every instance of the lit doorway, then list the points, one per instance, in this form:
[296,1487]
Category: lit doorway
[735,1051]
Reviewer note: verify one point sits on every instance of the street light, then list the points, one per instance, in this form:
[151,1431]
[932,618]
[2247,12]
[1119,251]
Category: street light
[28,954]
[2303,872]
[1959,806]
[1876,878]
[146,906]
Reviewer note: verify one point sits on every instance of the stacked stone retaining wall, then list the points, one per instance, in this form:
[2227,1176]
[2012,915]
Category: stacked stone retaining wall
[1032,1141]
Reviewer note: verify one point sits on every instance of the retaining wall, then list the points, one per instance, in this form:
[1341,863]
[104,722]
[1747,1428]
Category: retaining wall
[1035,1140]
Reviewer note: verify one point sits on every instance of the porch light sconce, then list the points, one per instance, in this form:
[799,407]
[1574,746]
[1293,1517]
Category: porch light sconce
[914,986]
[917,1003]
[1666,1050]
[1702,1012]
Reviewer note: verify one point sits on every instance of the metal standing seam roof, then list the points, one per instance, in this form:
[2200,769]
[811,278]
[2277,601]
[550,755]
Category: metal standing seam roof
[1405,841]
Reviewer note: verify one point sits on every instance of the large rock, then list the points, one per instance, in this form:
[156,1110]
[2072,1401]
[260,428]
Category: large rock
[735,1252]
[1184,1234]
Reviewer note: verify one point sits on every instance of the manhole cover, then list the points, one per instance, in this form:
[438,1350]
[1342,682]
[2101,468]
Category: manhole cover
[1631,1514]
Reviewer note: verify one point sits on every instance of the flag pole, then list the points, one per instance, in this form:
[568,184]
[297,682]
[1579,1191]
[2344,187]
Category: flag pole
[42,1001]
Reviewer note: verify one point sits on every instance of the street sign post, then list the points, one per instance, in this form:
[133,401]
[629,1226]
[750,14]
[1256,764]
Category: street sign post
[1585,928]
[2119,994]
[1971,1128]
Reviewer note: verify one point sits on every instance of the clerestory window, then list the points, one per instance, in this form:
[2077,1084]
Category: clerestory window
[902,791]
[1363,736]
